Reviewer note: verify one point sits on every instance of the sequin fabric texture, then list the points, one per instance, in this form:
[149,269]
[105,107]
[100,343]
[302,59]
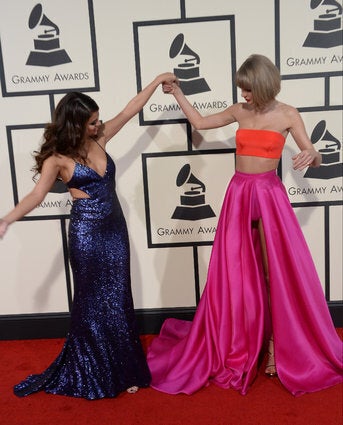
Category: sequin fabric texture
[102,355]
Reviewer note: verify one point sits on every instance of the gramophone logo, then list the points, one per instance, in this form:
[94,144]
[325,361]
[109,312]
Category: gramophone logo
[187,71]
[47,51]
[327,28]
[331,150]
[193,205]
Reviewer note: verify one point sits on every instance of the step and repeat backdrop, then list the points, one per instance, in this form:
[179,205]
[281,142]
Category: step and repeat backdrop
[170,179]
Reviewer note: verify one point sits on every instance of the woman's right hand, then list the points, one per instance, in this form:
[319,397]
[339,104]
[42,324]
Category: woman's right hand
[3,228]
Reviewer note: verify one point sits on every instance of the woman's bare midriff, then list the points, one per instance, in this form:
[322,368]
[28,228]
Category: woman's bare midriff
[67,167]
[78,194]
[255,164]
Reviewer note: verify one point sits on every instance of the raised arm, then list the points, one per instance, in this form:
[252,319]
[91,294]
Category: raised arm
[198,121]
[112,126]
[308,156]
[48,176]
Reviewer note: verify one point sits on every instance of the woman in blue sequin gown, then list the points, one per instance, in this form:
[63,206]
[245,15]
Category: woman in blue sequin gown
[102,355]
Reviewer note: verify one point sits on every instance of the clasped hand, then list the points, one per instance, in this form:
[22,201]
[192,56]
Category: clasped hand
[168,87]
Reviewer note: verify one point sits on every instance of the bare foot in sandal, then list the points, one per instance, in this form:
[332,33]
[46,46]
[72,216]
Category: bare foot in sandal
[132,390]
[270,366]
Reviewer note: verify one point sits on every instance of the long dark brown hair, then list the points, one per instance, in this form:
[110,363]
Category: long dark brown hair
[65,134]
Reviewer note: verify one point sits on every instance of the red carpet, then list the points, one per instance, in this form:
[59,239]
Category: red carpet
[267,403]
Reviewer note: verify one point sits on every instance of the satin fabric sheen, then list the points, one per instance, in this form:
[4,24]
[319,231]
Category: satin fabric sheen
[263,143]
[232,324]
[102,354]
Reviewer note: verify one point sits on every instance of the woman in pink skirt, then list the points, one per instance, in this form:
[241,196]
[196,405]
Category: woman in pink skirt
[262,287]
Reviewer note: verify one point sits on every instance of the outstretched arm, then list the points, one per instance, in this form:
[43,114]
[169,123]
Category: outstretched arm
[198,121]
[308,156]
[112,126]
[48,176]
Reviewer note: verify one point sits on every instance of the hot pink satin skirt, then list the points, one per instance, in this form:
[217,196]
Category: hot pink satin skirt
[233,321]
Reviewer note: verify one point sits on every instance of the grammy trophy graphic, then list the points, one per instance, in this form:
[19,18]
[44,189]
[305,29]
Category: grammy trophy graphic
[327,28]
[47,51]
[331,150]
[187,71]
[193,206]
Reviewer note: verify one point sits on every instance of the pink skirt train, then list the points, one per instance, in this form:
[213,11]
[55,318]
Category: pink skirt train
[233,322]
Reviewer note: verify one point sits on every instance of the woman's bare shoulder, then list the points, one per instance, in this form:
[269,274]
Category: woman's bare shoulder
[239,106]
[238,109]
[287,109]
[58,160]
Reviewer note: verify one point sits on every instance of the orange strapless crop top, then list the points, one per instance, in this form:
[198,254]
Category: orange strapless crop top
[263,143]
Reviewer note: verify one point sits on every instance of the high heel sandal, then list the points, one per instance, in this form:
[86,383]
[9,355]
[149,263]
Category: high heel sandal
[270,369]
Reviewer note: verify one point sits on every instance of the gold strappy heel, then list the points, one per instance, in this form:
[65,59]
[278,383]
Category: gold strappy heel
[132,390]
[270,369]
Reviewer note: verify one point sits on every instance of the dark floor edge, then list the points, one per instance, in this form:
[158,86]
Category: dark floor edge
[149,321]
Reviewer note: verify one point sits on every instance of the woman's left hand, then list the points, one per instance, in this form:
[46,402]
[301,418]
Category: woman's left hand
[3,227]
[306,158]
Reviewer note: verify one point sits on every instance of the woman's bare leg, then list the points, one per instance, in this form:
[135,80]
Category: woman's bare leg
[270,366]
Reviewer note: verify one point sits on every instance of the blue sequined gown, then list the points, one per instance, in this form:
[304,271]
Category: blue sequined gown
[102,355]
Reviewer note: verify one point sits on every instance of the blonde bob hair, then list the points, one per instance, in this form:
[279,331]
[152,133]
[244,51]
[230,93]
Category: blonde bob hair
[259,75]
